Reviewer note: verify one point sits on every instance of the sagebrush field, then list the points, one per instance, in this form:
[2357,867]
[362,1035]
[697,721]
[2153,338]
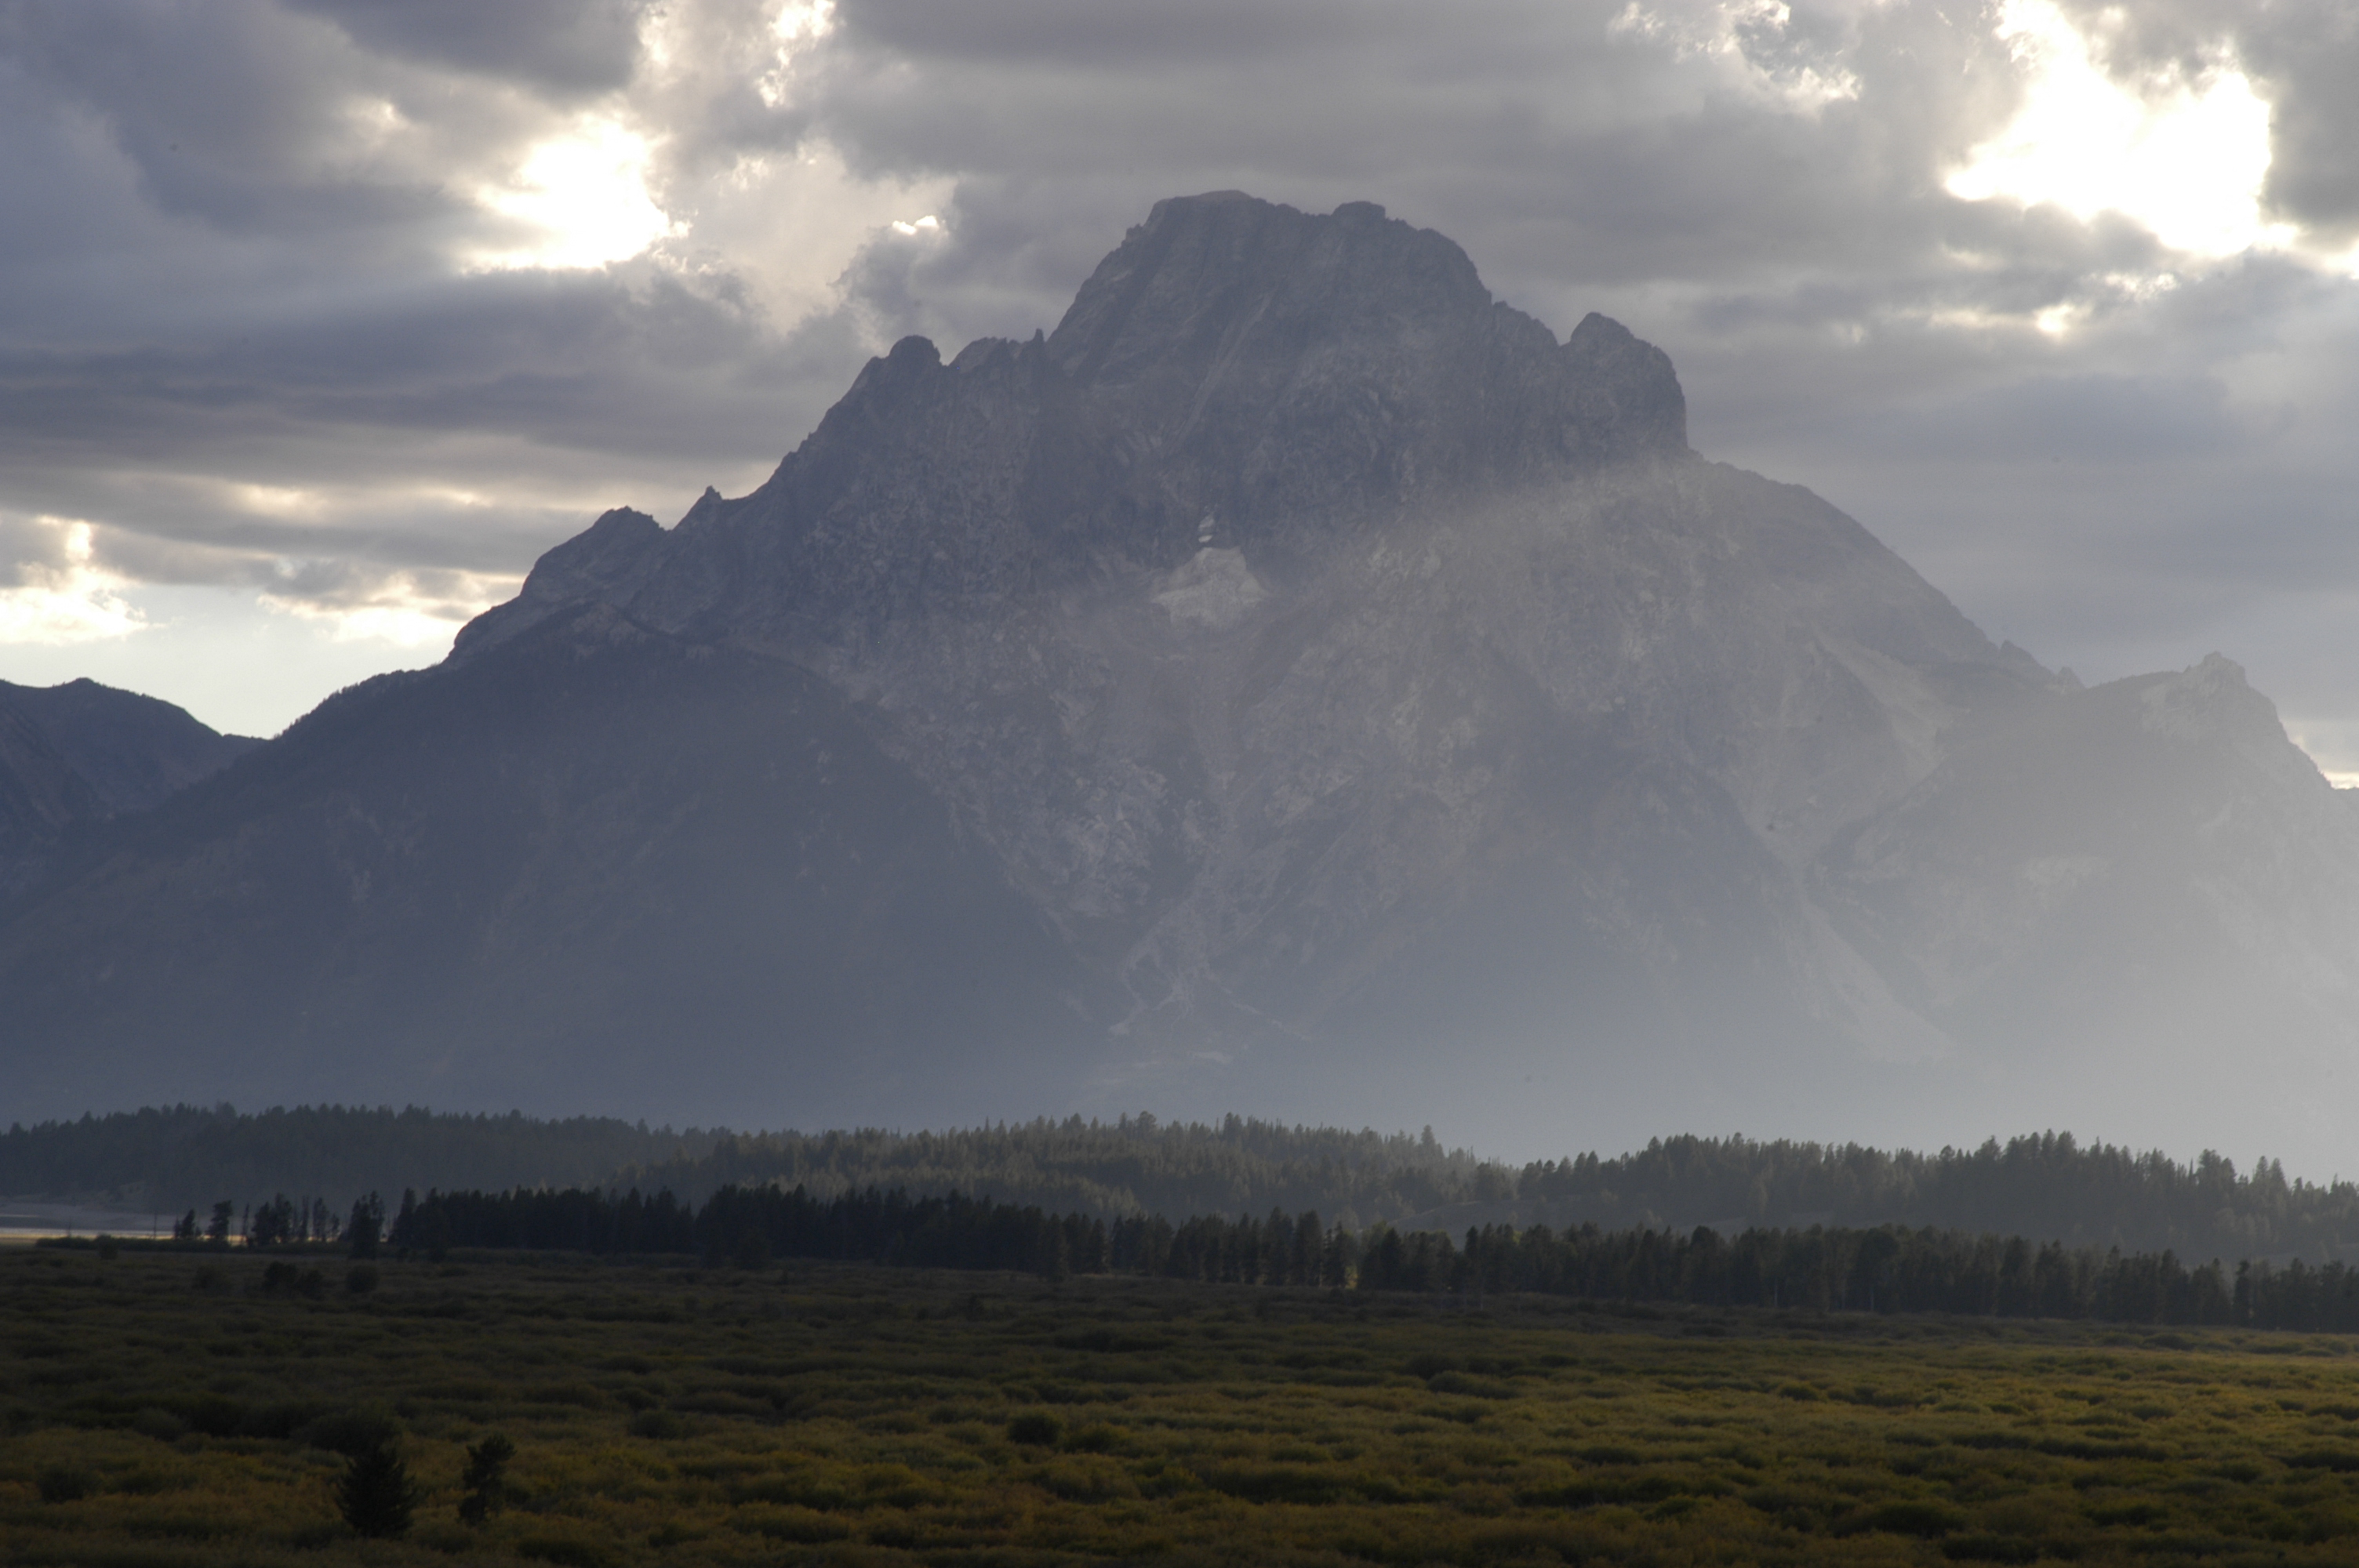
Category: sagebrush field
[168,1408]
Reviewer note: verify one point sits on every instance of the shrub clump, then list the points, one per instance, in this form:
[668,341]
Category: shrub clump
[661,1424]
[1033,1428]
[62,1483]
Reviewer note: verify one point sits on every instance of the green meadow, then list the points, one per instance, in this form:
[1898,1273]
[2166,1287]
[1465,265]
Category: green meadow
[179,1407]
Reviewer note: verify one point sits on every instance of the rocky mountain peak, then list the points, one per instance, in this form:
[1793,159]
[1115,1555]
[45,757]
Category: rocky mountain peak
[1288,372]
[2211,704]
[1186,289]
[602,564]
[1287,379]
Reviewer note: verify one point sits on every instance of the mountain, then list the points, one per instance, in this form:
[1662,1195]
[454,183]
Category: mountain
[79,754]
[1299,684]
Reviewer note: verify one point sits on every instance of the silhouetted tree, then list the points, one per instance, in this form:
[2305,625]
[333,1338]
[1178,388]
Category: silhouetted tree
[366,1227]
[273,1223]
[1338,1258]
[485,1478]
[218,1230]
[376,1496]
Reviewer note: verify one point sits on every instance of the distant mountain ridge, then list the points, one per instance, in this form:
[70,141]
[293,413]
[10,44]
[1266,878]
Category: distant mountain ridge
[1298,683]
[79,754]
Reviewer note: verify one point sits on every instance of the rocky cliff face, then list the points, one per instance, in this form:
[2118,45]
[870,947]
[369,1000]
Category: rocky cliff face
[1334,697]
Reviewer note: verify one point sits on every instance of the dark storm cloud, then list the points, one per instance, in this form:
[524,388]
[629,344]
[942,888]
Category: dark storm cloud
[1519,113]
[563,45]
[228,114]
[595,360]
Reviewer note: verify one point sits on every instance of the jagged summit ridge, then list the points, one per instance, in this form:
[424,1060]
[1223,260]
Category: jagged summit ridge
[1272,361]
[1291,377]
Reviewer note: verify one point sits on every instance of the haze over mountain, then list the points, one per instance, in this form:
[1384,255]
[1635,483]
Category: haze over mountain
[1297,684]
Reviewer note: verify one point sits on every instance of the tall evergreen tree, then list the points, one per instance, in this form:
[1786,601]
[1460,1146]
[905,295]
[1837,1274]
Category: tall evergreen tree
[366,1227]
[376,1496]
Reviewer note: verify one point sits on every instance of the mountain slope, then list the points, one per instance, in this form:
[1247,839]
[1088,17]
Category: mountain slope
[1299,683]
[612,865]
[78,753]
[2141,897]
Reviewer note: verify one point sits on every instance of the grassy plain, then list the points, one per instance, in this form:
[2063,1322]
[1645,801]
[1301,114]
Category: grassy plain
[164,1408]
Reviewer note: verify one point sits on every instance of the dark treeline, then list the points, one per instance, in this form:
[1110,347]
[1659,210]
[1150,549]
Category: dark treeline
[167,1160]
[1134,1165]
[2043,1184]
[2047,1185]
[747,1227]
[1882,1269]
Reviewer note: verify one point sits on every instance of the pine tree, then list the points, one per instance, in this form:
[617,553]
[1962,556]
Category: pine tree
[366,1227]
[485,1478]
[376,1496]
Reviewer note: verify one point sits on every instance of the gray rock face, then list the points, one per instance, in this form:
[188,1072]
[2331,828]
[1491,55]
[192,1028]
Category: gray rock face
[1282,381]
[1335,698]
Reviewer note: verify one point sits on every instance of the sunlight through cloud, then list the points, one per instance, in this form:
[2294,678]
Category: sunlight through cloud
[69,600]
[796,25]
[585,194]
[2185,158]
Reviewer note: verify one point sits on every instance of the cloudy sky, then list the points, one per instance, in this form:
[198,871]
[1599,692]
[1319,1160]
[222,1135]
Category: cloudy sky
[321,319]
